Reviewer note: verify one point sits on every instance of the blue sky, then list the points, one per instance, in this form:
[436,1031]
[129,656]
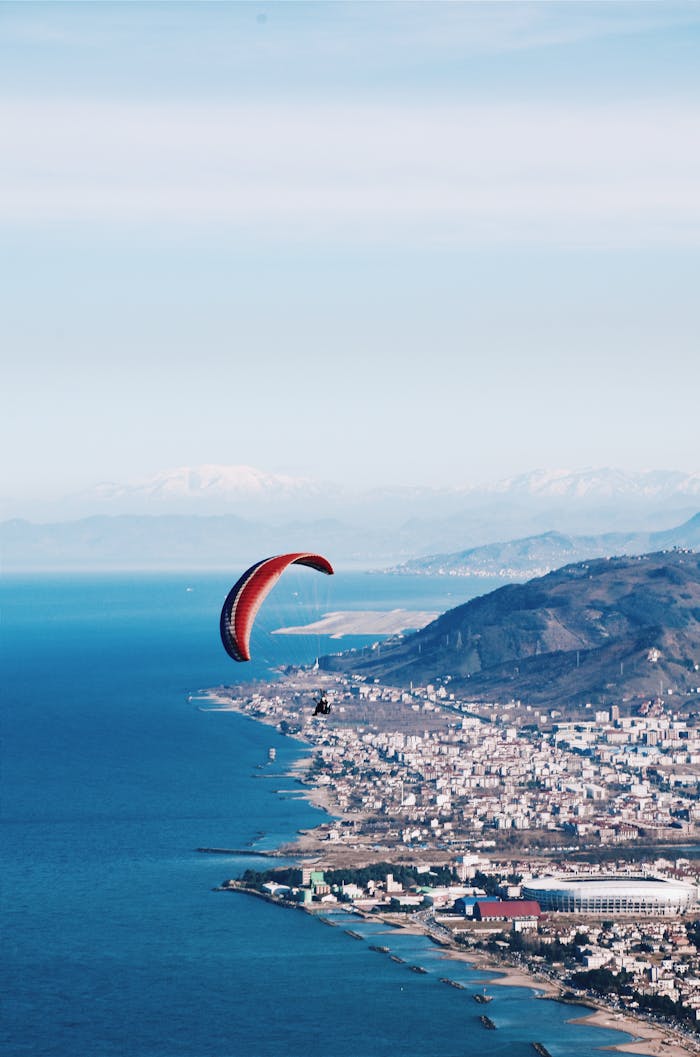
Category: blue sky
[402,243]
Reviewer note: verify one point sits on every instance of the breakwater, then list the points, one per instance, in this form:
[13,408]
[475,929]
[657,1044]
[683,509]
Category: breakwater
[239,851]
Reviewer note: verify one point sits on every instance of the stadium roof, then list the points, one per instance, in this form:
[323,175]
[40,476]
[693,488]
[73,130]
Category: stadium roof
[508,908]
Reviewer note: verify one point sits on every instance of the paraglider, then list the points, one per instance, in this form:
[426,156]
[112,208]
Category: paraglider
[323,705]
[247,595]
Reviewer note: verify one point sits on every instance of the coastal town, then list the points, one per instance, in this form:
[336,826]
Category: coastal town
[557,844]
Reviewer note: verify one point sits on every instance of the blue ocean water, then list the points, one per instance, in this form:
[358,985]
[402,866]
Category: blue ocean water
[113,941]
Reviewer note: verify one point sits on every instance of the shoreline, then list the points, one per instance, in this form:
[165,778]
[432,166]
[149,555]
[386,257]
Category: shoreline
[648,1040]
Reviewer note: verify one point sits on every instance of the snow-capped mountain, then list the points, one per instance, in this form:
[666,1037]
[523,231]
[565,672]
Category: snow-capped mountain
[599,484]
[215,486]
[207,482]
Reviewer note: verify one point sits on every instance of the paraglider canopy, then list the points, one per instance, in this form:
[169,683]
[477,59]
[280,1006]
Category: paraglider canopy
[247,595]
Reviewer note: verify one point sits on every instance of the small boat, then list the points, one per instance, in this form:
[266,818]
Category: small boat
[487,1022]
[540,1048]
[271,753]
[380,950]
[417,969]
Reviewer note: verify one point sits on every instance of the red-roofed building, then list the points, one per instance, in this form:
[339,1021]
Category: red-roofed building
[507,910]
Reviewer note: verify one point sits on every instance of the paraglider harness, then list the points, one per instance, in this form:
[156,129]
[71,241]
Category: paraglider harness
[323,706]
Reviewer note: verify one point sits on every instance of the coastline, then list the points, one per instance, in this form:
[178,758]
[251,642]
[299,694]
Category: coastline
[648,1040]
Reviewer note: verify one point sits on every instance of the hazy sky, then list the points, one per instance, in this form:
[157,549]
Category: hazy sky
[401,243]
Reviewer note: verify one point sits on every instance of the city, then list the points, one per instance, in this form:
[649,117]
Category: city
[525,808]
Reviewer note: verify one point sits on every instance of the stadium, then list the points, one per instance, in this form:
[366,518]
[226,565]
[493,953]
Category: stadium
[611,895]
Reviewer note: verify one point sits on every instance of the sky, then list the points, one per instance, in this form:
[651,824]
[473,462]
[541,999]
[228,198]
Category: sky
[374,244]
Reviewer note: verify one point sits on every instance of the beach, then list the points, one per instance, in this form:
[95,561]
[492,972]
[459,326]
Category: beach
[649,1039]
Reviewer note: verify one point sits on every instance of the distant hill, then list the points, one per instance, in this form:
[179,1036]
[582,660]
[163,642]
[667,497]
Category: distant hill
[215,515]
[537,555]
[163,542]
[604,631]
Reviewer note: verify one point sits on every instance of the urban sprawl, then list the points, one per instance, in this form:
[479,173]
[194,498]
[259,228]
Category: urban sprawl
[569,836]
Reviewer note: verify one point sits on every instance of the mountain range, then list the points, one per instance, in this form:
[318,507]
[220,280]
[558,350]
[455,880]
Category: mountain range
[221,516]
[232,484]
[614,630]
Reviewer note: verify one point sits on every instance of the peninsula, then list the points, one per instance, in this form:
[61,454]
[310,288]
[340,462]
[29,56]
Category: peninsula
[362,622]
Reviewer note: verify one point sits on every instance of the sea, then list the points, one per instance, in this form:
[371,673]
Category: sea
[114,940]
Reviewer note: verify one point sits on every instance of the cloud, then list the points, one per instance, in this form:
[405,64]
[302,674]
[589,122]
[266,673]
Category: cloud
[616,175]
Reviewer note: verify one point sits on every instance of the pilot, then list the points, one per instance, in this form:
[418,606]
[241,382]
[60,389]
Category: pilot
[322,705]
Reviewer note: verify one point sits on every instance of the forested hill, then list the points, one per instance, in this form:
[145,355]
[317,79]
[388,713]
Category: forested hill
[605,631]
